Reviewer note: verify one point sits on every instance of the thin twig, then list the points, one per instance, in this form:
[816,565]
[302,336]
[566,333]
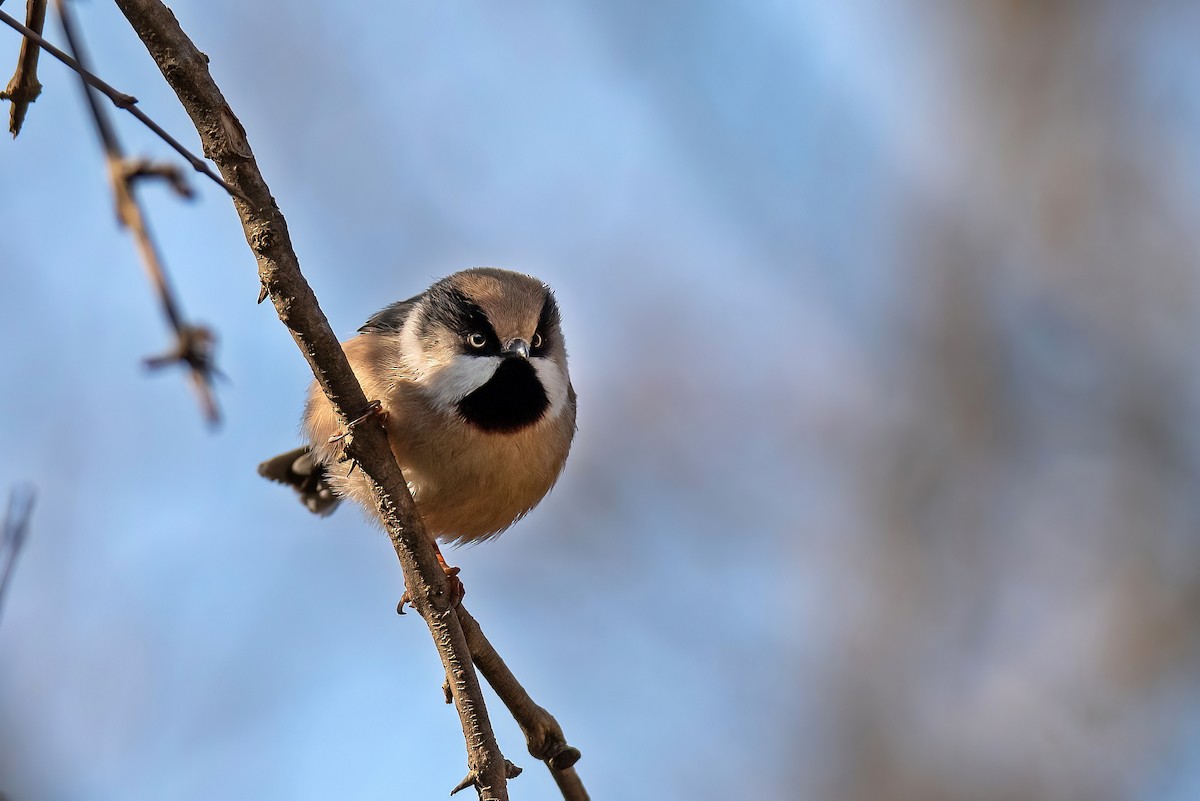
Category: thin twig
[543,736]
[120,100]
[14,532]
[193,343]
[569,784]
[224,139]
[24,88]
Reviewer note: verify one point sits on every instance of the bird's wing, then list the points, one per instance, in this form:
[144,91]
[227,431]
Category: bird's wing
[390,319]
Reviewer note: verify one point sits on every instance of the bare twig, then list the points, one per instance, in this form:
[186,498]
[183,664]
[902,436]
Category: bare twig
[193,343]
[24,88]
[569,784]
[119,99]
[543,736]
[224,139]
[14,532]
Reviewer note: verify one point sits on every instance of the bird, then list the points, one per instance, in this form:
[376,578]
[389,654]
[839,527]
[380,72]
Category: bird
[472,383]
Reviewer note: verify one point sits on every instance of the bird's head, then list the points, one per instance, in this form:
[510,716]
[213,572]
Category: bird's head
[487,344]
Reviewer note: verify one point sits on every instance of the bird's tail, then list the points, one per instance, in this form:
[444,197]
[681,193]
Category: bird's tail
[298,470]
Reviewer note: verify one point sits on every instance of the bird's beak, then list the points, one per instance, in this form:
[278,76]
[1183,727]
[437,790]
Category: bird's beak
[517,347]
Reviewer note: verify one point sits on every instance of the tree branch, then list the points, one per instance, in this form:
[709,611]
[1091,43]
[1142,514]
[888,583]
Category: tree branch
[14,532]
[186,70]
[34,40]
[193,343]
[543,736]
[24,88]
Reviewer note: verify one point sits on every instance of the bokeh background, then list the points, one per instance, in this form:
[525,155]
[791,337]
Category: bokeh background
[883,318]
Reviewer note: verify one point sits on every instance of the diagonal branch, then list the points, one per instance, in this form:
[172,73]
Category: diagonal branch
[13,533]
[33,38]
[186,70]
[24,88]
[193,343]
[543,736]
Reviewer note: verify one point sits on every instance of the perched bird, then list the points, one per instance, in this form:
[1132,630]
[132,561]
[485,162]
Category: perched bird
[479,409]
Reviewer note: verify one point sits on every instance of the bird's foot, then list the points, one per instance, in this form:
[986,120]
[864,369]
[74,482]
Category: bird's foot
[457,590]
[342,438]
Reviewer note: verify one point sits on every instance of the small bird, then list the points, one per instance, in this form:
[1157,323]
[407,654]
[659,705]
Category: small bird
[472,380]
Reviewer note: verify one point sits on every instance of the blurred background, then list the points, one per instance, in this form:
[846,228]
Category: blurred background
[883,318]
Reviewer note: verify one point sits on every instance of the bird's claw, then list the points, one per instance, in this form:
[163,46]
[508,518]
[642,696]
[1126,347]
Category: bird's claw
[374,408]
[457,590]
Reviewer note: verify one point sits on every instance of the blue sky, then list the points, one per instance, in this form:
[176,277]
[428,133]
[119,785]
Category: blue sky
[753,218]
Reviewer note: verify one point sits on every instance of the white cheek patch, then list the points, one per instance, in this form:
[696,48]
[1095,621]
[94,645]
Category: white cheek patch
[454,381]
[410,343]
[554,381]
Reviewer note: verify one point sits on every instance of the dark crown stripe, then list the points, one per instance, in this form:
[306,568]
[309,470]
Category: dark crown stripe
[451,309]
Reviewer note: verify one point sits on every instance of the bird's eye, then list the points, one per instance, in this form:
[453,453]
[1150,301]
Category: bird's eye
[536,342]
[476,340]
